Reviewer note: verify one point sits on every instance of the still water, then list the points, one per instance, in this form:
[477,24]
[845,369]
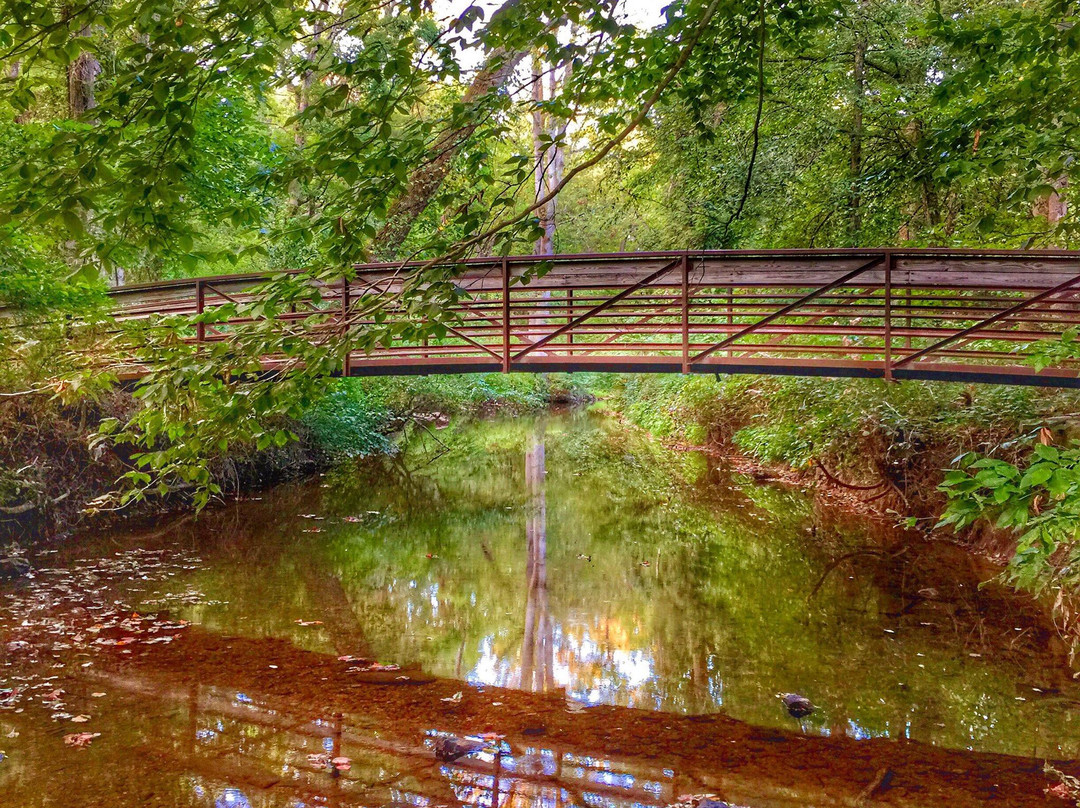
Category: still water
[563,555]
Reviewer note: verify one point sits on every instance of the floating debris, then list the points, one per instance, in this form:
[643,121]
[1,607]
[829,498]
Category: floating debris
[374,667]
[699,801]
[83,609]
[81,739]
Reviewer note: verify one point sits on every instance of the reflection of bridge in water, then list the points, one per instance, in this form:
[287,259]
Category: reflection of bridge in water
[960,315]
[250,746]
[219,754]
[242,733]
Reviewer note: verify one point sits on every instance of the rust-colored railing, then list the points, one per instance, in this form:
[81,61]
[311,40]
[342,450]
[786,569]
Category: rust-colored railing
[895,314]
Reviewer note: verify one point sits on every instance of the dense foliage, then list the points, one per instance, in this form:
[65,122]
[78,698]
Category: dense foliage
[141,140]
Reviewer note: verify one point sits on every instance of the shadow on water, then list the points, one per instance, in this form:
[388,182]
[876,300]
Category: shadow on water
[579,566]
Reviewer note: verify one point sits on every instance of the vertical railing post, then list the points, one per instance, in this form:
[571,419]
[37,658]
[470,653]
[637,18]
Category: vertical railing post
[570,317]
[907,313]
[506,314]
[200,305]
[346,361]
[730,315]
[888,315]
[686,313]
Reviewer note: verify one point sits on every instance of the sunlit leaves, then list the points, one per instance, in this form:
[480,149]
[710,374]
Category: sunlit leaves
[1040,502]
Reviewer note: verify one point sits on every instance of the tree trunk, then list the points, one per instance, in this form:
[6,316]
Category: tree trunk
[303,94]
[855,197]
[558,132]
[425,181]
[81,75]
[13,73]
[1053,207]
[307,79]
[543,162]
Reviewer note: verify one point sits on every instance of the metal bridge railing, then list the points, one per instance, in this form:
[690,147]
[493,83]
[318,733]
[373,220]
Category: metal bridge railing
[923,314]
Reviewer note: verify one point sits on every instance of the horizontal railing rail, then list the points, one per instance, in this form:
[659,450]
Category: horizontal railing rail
[961,315]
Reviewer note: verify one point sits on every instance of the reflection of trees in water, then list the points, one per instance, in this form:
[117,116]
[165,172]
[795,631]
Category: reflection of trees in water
[537,654]
[429,566]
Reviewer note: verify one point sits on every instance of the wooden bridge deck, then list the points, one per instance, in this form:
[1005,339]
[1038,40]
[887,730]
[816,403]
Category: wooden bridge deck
[959,315]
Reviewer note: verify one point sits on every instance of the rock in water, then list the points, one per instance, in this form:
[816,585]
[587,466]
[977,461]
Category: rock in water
[450,749]
[797,706]
[13,566]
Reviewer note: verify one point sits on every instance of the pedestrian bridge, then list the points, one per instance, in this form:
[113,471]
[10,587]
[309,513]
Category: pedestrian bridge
[950,315]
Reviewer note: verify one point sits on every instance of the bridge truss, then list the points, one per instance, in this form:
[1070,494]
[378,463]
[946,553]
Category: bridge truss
[948,315]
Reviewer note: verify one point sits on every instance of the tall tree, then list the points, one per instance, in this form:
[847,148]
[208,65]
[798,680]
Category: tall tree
[82,73]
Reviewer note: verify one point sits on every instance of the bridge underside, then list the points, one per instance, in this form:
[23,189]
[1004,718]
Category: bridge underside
[937,315]
[971,374]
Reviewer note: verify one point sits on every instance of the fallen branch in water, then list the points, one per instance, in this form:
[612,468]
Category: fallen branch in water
[831,478]
[18,510]
[845,557]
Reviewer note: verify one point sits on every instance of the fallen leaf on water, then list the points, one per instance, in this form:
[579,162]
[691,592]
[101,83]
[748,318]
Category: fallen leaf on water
[374,668]
[364,665]
[456,698]
[80,719]
[1059,791]
[81,738]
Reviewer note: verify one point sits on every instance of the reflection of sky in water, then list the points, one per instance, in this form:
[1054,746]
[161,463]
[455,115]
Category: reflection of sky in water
[624,671]
[232,798]
[721,619]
